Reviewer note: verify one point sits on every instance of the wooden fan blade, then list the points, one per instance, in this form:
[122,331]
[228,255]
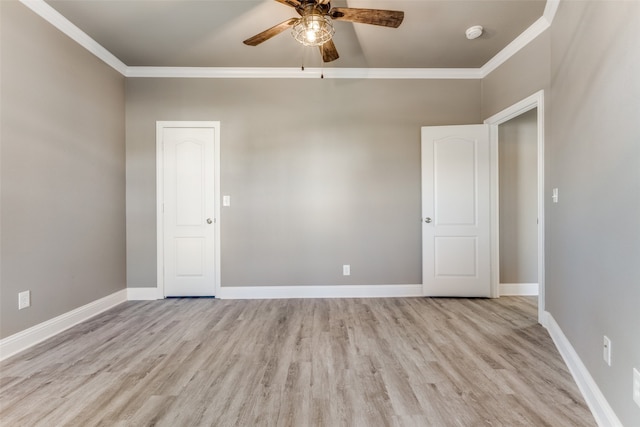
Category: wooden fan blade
[329,51]
[271,32]
[292,3]
[385,18]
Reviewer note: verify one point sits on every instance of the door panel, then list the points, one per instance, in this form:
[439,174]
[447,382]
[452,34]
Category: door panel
[456,211]
[455,181]
[189,198]
[189,182]
[189,254]
[456,256]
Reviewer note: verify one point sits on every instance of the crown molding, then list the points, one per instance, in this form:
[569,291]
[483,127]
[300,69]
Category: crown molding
[515,46]
[308,73]
[527,36]
[550,10]
[54,17]
[63,24]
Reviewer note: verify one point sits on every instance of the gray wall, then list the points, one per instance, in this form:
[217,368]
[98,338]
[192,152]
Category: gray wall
[592,143]
[593,233]
[62,172]
[517,153]
[320,172]
[522,75]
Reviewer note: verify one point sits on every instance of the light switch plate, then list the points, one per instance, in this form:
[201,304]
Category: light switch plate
[226,200]
[554,195]
[606,350]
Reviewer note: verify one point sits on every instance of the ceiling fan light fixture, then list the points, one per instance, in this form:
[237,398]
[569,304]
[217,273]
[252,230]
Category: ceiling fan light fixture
[313,29]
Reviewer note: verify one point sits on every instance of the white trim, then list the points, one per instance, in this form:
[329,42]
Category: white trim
[160,125]
[143,294]
[521,289]
[550,9]
[337,291]
[22,340]
[527,36]
[600,408]
[48,13]
[308,73]
[54,17]
[521,107]
[495,211]
[515,46]
[534,101]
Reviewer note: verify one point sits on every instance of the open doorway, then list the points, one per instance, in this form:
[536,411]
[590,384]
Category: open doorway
[518,205]
[529,114]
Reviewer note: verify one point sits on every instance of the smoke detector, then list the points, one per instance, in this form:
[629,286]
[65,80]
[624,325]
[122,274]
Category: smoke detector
[474,32]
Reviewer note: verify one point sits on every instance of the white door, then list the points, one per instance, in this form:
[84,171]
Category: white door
[456,211]
[188,194]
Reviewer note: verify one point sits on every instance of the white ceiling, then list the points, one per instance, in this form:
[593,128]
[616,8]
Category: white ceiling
[209,33]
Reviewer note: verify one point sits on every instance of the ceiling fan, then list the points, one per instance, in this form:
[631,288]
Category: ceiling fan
[315,26]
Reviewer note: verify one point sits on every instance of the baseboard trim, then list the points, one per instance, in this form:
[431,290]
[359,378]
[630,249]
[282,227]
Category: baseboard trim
[21,341]
[143,294]
[600,408]
[346,291]
[519,289]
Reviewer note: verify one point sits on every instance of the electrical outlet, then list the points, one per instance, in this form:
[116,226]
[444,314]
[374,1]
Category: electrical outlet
[346,270]
[606,350]
[24,300]
[636,386]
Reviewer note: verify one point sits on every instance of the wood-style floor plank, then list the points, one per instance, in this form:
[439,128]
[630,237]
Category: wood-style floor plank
[319,362]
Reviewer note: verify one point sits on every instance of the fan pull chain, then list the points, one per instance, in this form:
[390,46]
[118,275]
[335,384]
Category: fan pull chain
[322,61]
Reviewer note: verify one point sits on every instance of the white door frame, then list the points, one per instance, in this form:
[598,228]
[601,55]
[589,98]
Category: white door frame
[160,125]
[534,101]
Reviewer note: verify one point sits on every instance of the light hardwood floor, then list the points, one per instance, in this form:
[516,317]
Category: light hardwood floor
[322,362]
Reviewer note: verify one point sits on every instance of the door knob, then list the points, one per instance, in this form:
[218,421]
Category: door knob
[209,221]
[427,220]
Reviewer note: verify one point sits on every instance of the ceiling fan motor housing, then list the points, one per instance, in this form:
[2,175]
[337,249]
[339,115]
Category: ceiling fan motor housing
[322,7]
